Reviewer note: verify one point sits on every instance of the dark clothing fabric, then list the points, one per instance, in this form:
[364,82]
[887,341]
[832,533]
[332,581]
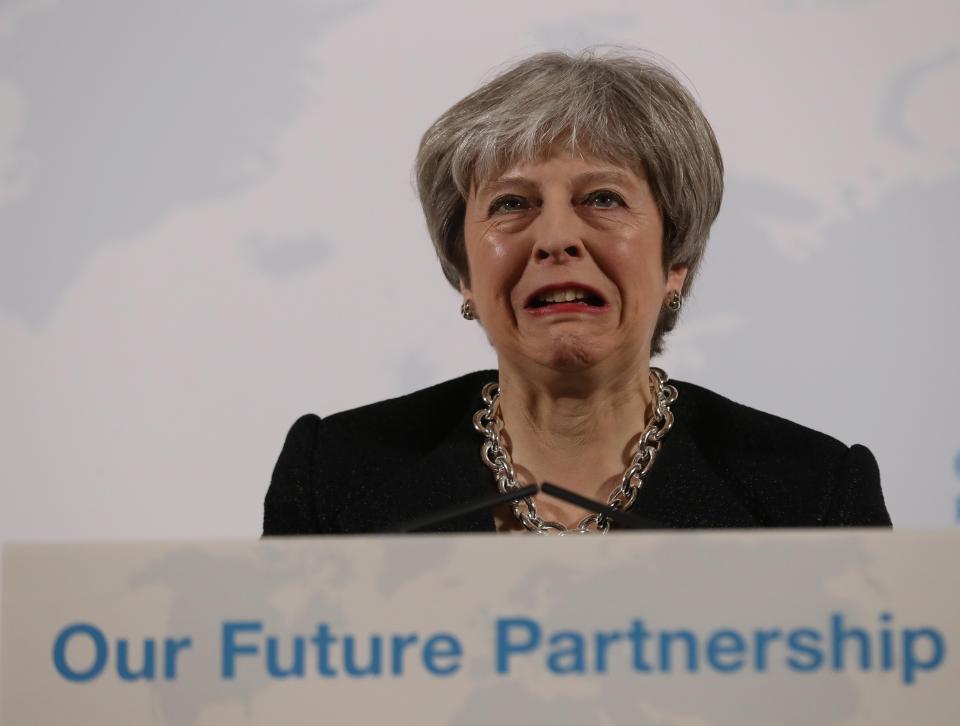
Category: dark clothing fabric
[721,465]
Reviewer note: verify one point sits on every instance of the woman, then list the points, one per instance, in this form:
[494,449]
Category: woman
[569,201]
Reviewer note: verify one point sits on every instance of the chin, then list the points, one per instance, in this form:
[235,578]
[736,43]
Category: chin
[572,352]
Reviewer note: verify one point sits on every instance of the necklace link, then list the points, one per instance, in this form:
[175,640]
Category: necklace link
[488,422]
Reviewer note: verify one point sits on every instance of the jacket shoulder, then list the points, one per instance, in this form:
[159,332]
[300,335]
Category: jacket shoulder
[416,419]
[788,474]
[728,424]
[337,464]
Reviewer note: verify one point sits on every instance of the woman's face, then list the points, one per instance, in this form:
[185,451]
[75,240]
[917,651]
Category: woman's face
[565,264]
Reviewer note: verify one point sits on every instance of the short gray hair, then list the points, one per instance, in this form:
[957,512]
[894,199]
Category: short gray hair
[621,107]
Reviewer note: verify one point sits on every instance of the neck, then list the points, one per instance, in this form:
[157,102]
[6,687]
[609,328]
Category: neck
[575,429]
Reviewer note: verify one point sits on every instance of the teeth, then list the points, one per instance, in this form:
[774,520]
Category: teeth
[559,296]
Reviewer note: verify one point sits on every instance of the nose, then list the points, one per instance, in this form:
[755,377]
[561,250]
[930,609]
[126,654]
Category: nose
[558,252]
[556,236]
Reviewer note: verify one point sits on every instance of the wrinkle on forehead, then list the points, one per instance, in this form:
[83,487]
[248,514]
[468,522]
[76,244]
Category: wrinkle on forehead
[489,168]
[613,174]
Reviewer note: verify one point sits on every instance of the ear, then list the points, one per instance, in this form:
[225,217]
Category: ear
[676,276]
[464,288]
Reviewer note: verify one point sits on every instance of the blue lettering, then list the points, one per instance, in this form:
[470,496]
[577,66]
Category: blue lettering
[602,640]
[814,656]
[296,668]
[147,669]
[567,659]
[762,638]
[230,649]
[171,649]
[723,643]
[350,666]
[60,652]
[840,634]
[639,635]
[506,647]
[667,637]
[442,645]
[400,644]
[886,643]
[323,639]
[911,663]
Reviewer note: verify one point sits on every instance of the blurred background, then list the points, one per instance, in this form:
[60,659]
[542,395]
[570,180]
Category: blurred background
[208,227]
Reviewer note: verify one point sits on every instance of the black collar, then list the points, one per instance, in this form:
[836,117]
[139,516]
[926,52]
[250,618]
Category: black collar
[682,491]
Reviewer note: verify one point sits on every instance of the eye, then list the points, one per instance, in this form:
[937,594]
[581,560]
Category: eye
[604,199]
[508,203]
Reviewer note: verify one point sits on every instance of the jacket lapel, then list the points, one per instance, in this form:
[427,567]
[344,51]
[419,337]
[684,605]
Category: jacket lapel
[450,475]
[684,489]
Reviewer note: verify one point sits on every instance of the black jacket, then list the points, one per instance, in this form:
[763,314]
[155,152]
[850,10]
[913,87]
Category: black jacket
[721,465]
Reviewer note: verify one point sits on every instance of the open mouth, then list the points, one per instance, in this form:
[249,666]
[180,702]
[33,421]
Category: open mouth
[566,294]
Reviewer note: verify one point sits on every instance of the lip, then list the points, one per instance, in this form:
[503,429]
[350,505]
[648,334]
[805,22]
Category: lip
[565,307]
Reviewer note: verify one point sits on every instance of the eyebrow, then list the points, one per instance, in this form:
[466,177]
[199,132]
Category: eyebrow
[505,182]
[608,175]
[588,177]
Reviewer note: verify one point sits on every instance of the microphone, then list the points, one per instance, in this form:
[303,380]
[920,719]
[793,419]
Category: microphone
[623,519]
[461,509]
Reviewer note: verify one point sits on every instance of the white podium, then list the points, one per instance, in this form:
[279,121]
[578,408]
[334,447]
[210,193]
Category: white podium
[731,628]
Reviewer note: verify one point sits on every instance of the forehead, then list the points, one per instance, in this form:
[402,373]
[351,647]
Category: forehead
[563,167]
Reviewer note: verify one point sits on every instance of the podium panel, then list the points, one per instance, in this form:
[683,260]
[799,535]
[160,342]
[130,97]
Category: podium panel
[730,628]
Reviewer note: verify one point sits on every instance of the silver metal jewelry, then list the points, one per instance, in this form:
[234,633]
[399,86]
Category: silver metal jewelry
[674,302]
[488,421]
[466,310]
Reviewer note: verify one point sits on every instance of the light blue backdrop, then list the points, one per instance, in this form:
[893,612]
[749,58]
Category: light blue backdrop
[208,227]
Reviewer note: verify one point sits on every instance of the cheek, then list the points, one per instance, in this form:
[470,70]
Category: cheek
[498,263]
[637,270]
[637,254]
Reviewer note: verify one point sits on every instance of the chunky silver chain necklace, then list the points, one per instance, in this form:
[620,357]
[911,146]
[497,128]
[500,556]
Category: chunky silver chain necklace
[489,422]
